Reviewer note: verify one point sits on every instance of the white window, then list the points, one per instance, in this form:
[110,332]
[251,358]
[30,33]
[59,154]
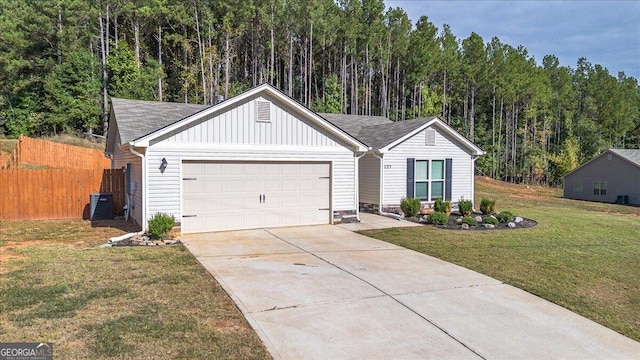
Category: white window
[429,179]
[600,188]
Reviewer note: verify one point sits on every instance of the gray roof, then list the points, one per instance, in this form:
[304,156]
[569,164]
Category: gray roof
[137,118]
[375,131]
[632,155]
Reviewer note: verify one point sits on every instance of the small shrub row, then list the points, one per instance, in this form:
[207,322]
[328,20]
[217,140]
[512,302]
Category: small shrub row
[490,220]
[410,206]
[487,206]
[160,225]
[469,221]
[438,218]
[442,206]
[465,207]
[504,216]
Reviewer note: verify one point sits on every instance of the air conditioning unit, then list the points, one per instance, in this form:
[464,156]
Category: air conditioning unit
[101,206]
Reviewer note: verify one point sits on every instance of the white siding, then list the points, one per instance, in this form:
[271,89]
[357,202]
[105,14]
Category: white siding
[239,126]
[395,161]
[120,159]
[164,188]
[369,179]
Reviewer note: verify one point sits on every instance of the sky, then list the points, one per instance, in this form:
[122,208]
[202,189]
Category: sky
[604,32]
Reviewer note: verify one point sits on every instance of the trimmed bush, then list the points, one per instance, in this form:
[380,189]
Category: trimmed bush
[490,220]
[438,218]
[442,206]
[487,206]
[160,225]
[505,216]
[465,207]
[469,221]
[410,206]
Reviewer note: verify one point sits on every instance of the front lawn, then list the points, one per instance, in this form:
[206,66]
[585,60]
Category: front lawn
[57,285]
[581,255]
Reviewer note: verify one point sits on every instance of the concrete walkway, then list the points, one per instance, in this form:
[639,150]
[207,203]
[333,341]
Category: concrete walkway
[324,292]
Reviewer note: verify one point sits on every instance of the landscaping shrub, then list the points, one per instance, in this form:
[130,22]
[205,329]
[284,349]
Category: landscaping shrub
[487,206]
[442,206]
[410,206]
[160,225]
[465,207]
[469,221]
[490,220]
[505,216]
[438,218]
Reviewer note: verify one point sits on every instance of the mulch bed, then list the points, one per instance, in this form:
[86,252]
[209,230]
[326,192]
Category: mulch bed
[453,225]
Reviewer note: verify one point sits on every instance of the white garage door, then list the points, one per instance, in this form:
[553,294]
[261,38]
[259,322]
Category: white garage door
[220,196]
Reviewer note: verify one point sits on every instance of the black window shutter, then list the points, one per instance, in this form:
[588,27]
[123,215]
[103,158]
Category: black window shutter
[410,177]
[447,179]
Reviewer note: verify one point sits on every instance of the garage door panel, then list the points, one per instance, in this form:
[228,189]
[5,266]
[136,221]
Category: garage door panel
[229,196]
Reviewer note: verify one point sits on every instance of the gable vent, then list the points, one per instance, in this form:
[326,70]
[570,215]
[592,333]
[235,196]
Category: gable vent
[263,111]
[430,137]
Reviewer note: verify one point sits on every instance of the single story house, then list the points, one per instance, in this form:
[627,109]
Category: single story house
[422,158]
[261,159]
[612,177]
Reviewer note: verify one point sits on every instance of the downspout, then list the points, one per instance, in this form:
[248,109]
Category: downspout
[357,186]
[395,216]
[143,166]
[473,180]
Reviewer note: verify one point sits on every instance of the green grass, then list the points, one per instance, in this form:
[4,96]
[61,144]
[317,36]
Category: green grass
[583,256]
[126,302]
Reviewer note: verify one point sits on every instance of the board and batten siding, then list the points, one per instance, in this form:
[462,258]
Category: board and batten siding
[239,126]
[235,135]
[121,157]
[369,179]
[395,163]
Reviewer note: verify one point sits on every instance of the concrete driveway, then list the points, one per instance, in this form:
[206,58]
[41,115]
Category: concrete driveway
[324,292]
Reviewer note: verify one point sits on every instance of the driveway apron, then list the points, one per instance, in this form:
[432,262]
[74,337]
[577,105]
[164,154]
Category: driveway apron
[324,292]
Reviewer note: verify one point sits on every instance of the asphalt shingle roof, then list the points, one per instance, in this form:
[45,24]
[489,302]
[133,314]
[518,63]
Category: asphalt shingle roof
[137,118]
[629,154]
[374,131]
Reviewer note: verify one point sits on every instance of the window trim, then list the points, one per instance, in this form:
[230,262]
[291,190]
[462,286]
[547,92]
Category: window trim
[429,180]
[600,188]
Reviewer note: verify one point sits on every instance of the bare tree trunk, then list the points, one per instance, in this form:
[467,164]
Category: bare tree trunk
[103,58]
[202,55]
[107,33]
[472,116]
[136,36]
[226,66]
[273,52]
[290,79]
[160,97]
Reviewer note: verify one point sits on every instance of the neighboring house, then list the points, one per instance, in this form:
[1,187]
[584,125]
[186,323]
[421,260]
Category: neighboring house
[613,176]
[422,158]
[260,159]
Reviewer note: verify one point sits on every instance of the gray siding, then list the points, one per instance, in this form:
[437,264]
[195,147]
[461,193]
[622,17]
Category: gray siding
[622,178]
[369,179]
[395,166]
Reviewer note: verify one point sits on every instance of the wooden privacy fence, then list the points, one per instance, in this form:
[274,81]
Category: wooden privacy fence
[54,155]
[56,193]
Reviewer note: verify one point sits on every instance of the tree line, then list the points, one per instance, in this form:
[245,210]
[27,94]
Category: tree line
[61,60]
